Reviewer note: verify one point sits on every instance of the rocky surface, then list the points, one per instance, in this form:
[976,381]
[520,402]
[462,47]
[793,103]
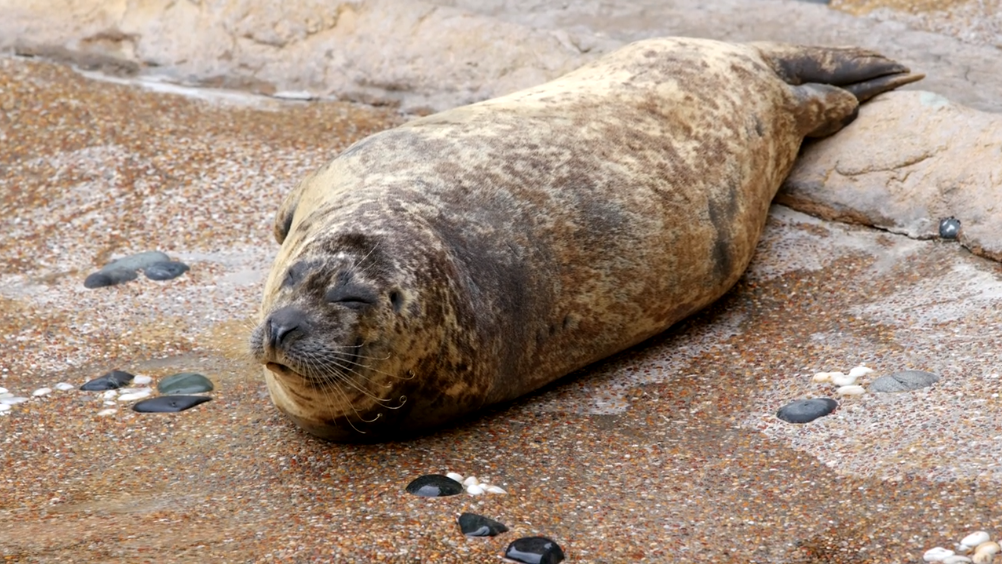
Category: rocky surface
[670,451]
[909,161]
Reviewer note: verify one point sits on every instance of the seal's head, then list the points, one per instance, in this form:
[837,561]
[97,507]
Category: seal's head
[334,312]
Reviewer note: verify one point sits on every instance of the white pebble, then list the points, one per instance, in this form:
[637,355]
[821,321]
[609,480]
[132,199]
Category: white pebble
[454,476]
[840,379]
[107,411]
[474,489]
[142,380]
[4,407]
[495,490]
[42,392]
[13,400]
[974,539]
[110,403]
[937,554]
[985,552]
[860,370]
[139,394]
[851,391]
[110,394]
[64,386]
[956,559]
[3,390]
[822,377]
[471,481]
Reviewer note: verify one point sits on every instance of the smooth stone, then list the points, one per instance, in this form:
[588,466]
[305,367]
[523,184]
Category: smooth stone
[904,381]
[184,383]
[166,270]
[3,390]
[474,489]
[169,404]
[805,411]
[138,261]
[974,539]
[4,407]
[42,392]
[474,525]
[110,381]
[949,228]
[471,481]
[139,394]
[495,490]
[851,390]
[103,278]
[434,485]
[142,380]
[936,554]
[64,386]
[107,412]
[534,550]
[13,400]
[455,476]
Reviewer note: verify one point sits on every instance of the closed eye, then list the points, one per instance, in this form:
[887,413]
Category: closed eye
[351,296]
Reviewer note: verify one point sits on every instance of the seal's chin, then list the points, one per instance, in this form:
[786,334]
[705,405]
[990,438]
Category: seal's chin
[282,370]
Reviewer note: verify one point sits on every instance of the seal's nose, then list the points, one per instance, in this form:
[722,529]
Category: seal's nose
[282,324]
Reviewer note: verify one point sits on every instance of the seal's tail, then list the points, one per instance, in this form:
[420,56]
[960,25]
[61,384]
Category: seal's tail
[814,70]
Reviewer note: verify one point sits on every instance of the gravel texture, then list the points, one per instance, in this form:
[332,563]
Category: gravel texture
[978,22]
[669,452]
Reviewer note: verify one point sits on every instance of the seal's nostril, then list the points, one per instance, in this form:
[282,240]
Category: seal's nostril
[282,324]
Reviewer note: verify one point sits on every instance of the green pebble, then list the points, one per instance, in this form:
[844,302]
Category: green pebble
[184,383]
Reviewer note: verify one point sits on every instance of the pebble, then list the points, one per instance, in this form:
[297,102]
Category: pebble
[956,559]
[135,395]
[937,554]
[904,381]
[166,270]
[851,391]
[110,394]
[434,485]
[142,380]
[4,391]
[974,539]
[104,412]
[860,370]
[169,404]
[184,383]
[474,489]
[534,550]
[843,379]
[110,278]
[109,381]
[64,386]
[474,525]
[825,376]
[805,411]
[471,481]
[985,552]
[495,490]
[949,228]
[12,400]
[454,476]
[4,407]
[42,392]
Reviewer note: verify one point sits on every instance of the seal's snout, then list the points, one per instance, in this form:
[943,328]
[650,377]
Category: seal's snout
[284,325]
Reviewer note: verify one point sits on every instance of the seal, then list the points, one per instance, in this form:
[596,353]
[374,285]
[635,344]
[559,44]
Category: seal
[472,256]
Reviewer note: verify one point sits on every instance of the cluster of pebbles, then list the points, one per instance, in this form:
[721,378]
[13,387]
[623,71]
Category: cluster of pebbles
[528,550]
[116,387]
[976,547]
[807,410]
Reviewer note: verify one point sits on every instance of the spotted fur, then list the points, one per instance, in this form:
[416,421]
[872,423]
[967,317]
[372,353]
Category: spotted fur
[515,240]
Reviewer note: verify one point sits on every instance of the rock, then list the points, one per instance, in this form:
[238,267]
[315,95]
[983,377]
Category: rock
[184,383]
[110,381]
[947,166]
[165,270]
[434,485]
[169,404]
[124,269]
[104,278]
[904,381]
[805,411]
[949,228]
[534,550]
[474,525]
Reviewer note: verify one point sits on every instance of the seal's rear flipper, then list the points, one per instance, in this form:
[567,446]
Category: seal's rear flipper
[829,83]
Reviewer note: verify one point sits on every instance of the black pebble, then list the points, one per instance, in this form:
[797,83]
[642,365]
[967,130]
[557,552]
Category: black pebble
[474,525]
[534,550]
[805,411]
[169,404]
[110,381]
[434,485]
[949,228]
[165,270]
[104,278]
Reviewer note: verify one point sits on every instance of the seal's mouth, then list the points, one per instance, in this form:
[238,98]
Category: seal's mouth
[281,370]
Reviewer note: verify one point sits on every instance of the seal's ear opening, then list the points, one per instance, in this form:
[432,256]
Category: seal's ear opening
[396,300]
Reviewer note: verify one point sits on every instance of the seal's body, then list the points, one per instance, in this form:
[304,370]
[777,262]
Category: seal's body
[474,255]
